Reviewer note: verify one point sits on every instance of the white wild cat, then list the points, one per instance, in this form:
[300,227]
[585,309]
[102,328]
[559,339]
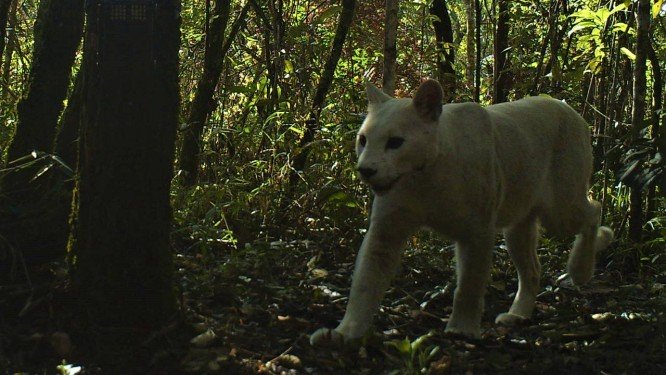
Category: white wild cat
[467,172]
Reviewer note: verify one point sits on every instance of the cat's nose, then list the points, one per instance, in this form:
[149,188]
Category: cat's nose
[367,172]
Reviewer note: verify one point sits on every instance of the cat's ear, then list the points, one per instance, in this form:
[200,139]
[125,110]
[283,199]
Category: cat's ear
[428,100]
[375,95]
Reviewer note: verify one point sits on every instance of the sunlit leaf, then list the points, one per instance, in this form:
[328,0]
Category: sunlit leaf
[580,26]
[618,8]
[625,51]
[288,67]
[420,340]
[297,130]
[657,8]
[65,369]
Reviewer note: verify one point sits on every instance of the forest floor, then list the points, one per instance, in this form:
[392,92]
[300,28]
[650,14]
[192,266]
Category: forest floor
[251,311]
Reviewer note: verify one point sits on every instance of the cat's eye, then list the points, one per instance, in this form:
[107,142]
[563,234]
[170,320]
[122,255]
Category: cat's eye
[394,142]
[362,140]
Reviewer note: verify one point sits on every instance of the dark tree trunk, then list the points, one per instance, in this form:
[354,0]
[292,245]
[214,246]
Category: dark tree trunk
[390,49]
[552,32]
[202,105]
[31,221]
[638,110]
[312,125]
[477,65]
[57,35]
[556,39]
[122,263]
[445,52]
[4,17]
[275,45]
[273,38]
[501,79]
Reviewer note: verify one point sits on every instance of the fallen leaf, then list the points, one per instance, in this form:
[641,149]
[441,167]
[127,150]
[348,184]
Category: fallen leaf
[205,339]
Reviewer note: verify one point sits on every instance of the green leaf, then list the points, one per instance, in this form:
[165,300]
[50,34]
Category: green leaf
[238,89]
[583,14]
[419,341]
[628,53]
[328,13]
[288,67]
[404,346]
[621,27]
[602,15]
[618,8]
[296,130]
[341,198]
[657,8]
[581,26]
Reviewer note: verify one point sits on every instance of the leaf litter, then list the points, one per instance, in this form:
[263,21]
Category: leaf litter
[287,291]
[251,311]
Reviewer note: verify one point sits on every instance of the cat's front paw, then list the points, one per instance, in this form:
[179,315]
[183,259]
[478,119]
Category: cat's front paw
[509,319]
[327,337]
[469,331]
[334,338]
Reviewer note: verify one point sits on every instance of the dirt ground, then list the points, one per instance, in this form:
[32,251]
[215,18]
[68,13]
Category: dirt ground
[251,310]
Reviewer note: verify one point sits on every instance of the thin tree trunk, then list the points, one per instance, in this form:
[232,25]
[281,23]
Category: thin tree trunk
[657,96]
[470,44]
[9,52]
[273,58]
[312,124]
[5,5]
[276,10]
[122,263]
[390,49]
[445,52]
[552,29]
[32,222]
[202,104]
[501,51]
[659,125]
[477,65]
[638,110]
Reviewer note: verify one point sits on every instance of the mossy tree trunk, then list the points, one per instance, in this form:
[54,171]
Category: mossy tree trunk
[8,51]
[67,138]
[32,217]
[4,16]
[122,264]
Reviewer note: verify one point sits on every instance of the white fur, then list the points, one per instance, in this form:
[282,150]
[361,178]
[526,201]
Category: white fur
[467,172]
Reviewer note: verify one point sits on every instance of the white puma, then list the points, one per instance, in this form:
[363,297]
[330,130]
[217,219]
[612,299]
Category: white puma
[466,171]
